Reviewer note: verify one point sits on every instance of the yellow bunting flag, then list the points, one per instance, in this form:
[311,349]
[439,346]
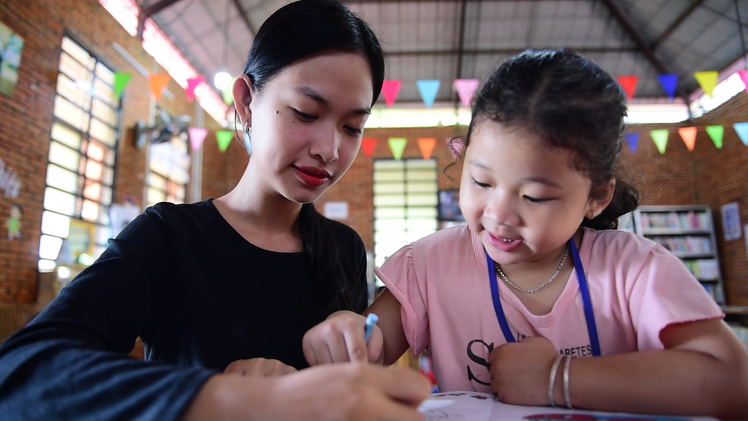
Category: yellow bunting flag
[707,81]
[660,139]
[717,133]
[228,93]
[224,138]
[397,146]
[689,136]
[426,144]
[157,83]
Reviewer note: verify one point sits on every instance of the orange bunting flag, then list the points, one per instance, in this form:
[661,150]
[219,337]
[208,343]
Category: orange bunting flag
[707,81]
[628,83]
[426,144]
[717,133]
[689,136]
[368,144]
[397,146]
[390,88]
[191,85]
[157,83]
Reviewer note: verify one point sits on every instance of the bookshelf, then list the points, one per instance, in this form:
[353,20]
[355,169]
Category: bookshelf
[688,233]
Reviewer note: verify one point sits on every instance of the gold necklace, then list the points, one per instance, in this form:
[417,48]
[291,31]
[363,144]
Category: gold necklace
[539,287]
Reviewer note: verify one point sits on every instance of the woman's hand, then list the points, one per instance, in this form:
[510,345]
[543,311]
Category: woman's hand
[259,367]
[347,391]
[340,338]
[520,371]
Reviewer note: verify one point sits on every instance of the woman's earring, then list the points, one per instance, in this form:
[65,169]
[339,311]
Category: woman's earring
[248,137]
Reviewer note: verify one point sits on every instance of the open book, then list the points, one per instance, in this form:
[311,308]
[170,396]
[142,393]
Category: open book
[474,406]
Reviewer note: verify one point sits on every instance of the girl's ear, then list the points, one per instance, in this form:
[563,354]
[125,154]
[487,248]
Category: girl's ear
[242,91]
[600,198]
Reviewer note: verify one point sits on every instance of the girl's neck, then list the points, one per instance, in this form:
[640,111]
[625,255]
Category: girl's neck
[267,220]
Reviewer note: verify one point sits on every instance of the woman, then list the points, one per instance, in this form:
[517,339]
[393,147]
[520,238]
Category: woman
[232,284]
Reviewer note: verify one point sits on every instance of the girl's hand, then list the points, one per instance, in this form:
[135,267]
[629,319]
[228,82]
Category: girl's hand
[350,391]
[520,371]
[259,367]
[340,338]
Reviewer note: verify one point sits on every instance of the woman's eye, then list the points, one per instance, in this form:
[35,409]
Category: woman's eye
[353,131]
[535,199]
[304,116]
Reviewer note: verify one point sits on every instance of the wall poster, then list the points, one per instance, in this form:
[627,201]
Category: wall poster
[11,45]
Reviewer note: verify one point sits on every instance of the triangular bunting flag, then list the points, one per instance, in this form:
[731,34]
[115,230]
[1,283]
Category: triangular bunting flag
[120,81]
[744,76]
[669,82]
[157,83]
[633,141]
[224,138]
[197,135]
[628,83]
[428,89]
[742,131]
[466,89]
[455,146]
[191,85]
[397,146]
[426,144]
[689,136]
[717,133]
[368,144]
[707,81]
[660,139]
[390,88]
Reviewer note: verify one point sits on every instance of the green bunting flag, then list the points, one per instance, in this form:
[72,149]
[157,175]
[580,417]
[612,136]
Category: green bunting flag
[660,139]
[120,81]
[224,138]
[397,146]
[716,133]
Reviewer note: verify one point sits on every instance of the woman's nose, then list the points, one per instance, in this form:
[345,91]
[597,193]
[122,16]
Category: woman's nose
[327,146]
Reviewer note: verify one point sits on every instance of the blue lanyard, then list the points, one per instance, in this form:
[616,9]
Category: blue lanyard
[589,314]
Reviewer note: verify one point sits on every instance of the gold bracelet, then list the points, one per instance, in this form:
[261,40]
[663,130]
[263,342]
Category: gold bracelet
[554,370]
[567,398]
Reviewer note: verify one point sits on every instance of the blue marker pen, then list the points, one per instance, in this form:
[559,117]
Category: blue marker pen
[371,320]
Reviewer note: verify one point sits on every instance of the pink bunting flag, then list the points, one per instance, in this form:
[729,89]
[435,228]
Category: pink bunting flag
[390,89]
[466,89]
[744,76]
[157,83]
[426,145]
[197,136]
[192,83]
[368,144]
[689,136]
[628,83]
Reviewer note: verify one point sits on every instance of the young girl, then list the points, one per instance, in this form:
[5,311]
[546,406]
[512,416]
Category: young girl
[222,291]
[535,299]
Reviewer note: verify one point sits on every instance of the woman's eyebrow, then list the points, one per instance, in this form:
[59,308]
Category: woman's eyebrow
[311,93]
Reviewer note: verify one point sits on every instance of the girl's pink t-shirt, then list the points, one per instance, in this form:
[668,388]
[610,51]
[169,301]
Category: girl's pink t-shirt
[637,288]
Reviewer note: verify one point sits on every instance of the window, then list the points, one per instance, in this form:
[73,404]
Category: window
[169,171]
[81,161]
[405,204]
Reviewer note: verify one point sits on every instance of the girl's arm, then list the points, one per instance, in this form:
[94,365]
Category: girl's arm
[340,338]
[703,370]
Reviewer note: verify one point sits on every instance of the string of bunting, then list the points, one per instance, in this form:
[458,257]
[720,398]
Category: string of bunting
[660,137]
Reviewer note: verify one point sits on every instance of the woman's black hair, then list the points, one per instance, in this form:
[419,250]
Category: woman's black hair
[570,103]
[296,31]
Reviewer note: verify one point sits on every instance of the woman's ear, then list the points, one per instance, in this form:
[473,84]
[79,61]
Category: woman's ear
[600,198]
[242,91]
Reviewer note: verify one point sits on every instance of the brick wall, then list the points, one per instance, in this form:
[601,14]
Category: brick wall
[26,119]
